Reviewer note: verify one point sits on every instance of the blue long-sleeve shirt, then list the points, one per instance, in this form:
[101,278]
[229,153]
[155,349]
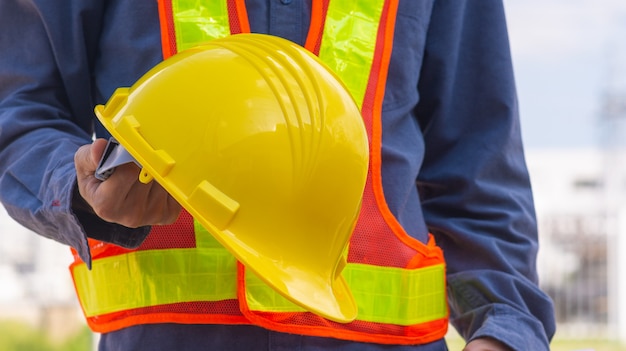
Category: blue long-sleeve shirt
[453,162]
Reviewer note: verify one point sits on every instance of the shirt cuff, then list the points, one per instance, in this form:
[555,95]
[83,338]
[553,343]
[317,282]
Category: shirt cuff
[480,310]
[505,324]
[93,227]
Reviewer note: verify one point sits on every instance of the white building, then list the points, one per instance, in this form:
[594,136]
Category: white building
[35,283]
[580,197]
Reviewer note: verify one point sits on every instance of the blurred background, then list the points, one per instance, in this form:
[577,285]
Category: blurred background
[570,65]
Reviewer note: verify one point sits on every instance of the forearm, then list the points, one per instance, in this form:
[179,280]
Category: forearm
[474,184]
[46,114]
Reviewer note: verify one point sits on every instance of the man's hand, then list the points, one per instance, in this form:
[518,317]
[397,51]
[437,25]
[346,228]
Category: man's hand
[122,198]
[486,344]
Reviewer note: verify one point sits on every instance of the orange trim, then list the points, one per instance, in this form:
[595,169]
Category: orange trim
[110,322]
[168,36]
[286,322]
[425,333]
[434,255]
[318,16]
[377,84]
[180,318]
[242,13]
[237,17]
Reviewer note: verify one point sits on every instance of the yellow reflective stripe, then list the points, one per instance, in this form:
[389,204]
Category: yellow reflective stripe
[349,41]
[383,294]
[398,296]
[197,22]
[204,239]
[261,297]
[155,277]
[158,277]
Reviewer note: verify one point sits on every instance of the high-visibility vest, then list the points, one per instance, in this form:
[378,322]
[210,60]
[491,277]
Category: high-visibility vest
[181,274]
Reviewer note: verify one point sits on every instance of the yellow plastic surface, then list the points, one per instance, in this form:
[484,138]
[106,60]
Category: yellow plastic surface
[264,146]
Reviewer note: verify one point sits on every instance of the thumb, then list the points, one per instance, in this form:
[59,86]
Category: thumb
[97,149]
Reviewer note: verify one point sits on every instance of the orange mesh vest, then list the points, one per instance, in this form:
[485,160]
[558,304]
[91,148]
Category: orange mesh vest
[181,274]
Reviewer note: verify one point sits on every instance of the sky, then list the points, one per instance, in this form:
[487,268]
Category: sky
[566,55]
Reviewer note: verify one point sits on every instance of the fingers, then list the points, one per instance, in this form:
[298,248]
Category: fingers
[141,204]
[86,161]
[122,198]
[97,149]
[125,200]
[160,208]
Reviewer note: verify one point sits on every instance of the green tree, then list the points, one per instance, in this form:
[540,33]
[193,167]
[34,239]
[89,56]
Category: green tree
[19,336]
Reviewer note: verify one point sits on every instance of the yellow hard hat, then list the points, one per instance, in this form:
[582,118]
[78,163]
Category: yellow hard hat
[265,147]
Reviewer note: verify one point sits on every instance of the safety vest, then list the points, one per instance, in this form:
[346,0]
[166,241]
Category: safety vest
[181,274]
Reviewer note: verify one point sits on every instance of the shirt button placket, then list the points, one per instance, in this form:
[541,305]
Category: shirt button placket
[287,20]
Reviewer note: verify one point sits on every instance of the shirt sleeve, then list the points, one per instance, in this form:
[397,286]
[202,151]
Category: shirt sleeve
[474,183]
[46,113]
